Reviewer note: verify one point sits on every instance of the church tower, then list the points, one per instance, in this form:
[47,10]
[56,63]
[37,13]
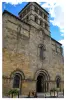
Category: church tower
[36,16]
[32,59]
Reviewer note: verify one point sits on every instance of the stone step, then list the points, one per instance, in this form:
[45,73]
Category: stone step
[22,96]
[43,95]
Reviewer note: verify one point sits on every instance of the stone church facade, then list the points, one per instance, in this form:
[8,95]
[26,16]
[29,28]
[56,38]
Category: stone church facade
[32,59]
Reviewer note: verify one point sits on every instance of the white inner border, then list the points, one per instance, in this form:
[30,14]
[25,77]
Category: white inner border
[1,47]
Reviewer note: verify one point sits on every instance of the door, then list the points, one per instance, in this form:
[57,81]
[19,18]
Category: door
[42,84]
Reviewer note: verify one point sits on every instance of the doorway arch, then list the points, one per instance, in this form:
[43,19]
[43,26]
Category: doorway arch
[42,81]
[39,84]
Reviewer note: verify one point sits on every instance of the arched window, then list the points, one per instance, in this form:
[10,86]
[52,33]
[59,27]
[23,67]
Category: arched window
[27,18]
[58,82]
[36,9]
[42,49]
[16,82]
[45,17]
[40,13]
[41,22]
[41,52]
[46,26]
[17,76]
[36,19]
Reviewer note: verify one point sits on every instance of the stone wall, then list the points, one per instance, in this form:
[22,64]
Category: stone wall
[21,52]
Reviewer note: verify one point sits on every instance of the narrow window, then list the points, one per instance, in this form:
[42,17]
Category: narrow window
[58,82]
[36,9]
[27,18]
[40,13]
[45,17]
[46,26]
[36,19]
[16,81]
[41,52]
[42,49]
[41,22]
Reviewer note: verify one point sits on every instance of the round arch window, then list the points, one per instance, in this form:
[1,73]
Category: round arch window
[16,82]
[58,82]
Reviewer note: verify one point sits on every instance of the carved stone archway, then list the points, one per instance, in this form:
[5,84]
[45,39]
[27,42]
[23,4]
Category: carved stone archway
[42,81]
[17,76]
[58,81]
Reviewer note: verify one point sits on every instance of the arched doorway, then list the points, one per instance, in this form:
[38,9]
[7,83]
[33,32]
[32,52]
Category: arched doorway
[42,83]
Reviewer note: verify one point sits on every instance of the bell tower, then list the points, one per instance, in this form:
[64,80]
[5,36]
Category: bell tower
[36,16]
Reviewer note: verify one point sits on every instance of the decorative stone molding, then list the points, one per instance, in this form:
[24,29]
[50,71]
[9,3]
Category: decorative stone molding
[41,71]
[17,71]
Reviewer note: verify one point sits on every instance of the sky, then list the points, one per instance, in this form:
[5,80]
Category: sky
[56,14]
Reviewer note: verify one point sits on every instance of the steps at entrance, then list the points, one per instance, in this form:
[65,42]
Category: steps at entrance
[60,95]
[41,95]
[22,96]
[45,95]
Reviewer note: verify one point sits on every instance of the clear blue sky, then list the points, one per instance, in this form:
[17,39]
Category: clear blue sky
[14,9]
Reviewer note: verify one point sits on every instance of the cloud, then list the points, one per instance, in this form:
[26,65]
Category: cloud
[13,2]
[62,34]
[62,42]
[56,10]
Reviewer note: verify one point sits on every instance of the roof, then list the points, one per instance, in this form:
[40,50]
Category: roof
[5,11]
[35,3]
[56,41]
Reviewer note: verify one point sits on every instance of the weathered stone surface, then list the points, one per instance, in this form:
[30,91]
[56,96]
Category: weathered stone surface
[21,51]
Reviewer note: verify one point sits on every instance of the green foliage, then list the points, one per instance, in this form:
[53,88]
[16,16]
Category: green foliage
[53,89]
[58,89]
[14,91]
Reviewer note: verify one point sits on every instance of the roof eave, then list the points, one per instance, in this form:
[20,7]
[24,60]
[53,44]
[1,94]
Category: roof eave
[35,3]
